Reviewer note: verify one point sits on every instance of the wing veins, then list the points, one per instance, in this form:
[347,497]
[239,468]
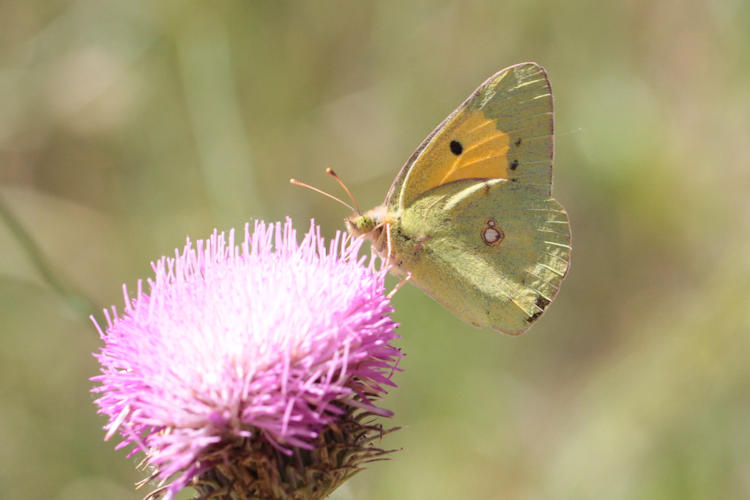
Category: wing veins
[481,125]
[530,82]
[556,244]
[477,144]
[484,158]
[556,257]
[554,271]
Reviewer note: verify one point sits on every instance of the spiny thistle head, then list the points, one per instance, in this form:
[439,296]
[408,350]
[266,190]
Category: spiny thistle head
[251,370]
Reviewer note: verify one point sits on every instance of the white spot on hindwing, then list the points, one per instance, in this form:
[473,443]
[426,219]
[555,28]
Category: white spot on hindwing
[491,233]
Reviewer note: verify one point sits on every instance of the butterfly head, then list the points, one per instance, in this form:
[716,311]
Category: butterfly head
[368,224]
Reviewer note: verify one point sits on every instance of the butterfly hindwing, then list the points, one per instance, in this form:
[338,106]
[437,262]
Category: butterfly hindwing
[495,264]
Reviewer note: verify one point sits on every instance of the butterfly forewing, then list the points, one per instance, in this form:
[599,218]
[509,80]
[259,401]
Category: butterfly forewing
[502,131]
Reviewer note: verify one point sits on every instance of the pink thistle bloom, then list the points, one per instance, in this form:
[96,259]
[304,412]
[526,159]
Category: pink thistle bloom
[254,365]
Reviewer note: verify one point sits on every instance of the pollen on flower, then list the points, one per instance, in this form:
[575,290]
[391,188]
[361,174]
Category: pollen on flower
[255,363]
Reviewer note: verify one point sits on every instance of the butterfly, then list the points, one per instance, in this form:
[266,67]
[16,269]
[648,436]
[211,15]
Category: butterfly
[469,218]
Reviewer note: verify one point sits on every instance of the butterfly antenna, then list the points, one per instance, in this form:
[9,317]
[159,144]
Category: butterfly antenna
[333,174]
[302,184]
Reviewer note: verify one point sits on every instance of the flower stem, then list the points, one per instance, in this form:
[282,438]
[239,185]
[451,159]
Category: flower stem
[78,302]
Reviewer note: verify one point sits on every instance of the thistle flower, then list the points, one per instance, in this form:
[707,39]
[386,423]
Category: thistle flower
[251,371]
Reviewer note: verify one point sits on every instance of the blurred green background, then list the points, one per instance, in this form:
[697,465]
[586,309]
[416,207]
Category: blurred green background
[127,125]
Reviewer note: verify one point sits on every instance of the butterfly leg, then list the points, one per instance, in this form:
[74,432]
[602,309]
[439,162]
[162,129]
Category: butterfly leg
[388,241]
[399,285]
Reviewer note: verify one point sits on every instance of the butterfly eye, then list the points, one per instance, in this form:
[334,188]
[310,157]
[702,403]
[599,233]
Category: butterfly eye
[456,148]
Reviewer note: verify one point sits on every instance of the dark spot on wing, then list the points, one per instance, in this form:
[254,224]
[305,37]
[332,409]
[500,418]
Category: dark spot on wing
[456,148]
[541,303]
[514,180]
[518,142]
[533,317]
[486,188]
[513,164]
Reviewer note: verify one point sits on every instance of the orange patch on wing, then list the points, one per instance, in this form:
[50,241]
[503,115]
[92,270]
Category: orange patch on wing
[483,150]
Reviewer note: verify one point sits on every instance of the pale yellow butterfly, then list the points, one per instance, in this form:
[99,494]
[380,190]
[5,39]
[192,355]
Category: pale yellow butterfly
[470,218]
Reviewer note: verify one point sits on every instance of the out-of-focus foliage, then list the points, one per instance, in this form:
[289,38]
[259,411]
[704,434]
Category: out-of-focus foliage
[127,125]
